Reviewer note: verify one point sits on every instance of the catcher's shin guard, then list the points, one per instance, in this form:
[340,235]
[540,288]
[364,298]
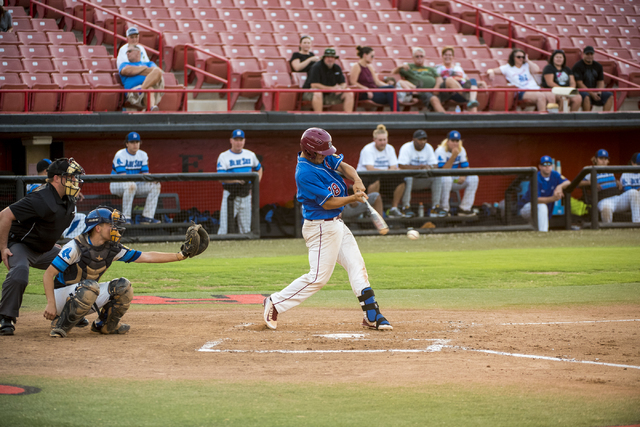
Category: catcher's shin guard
[373,319]
[121,294]
[76,307]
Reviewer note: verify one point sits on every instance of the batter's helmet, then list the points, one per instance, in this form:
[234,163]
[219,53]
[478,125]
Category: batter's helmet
[104,215]
[316,140]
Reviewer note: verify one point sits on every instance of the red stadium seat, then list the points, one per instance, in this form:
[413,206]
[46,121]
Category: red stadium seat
[9,38]
[606,43]
[442,40]
[504,7]
[190,25]
[22,24]
[237,26]
[230,38]
[410,17]
[439,5]
[45,25]
[175,3]
[183,13]
[173,50]
[41,11]
[629,31]
[158,13]
[12,101]
[630,43]
[285,27]
[210,64]
[35,37]
[244,4]
[424,29]
[500,53]
[400,28]
[477,52]
[99,65]
[28,51]
[87,51]
[389,16]
[298,79]
[275,65]
[337,4]
[205,38]
[314,4]
[245,73]
[17,11]
[59,38]
[321,15]
[291,4]
[384,65]
[10,65]
[222,3]
[621,53]
[367,16]
[41,101]
[64,51]
[287,51]
[237,51]
[261,27]
[287,39]
[196,4]
[399,52]
[445,29]
[286,101]
[376,27]
[254,14]
[206,13]
[598,20]
[171,101]
[38,65]
[568,30]
[345,15]
[482,65]
[270,4]
[230,14]
[103,101]
[355,27]
[385,40]
[261,39]
[69,65]
[213,26]
[295,15]
[133,13]
[72,101]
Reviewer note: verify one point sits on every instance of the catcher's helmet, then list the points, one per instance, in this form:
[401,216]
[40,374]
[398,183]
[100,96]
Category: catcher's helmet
[316,140]
[104,215]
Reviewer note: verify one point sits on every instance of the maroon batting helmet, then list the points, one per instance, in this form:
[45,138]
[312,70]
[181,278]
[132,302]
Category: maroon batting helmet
[316,140]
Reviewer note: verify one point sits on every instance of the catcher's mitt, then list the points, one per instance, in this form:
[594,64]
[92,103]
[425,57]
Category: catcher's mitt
[196,241]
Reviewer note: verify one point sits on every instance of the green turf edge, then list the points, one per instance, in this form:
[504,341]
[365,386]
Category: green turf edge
[116,402]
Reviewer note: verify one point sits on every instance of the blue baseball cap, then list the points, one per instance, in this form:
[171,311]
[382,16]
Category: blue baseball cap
[636,158]
[602,153]
[454,134]
[133,137]
[238,133]
[546,161]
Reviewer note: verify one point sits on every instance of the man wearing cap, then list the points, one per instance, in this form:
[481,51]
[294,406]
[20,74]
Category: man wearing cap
[550,188]
[589,74]
[423,77]
[41,168]
[417,154]
[326,74]
[138,74]
[131,160]
[29,230]
[236,194]
[133,37]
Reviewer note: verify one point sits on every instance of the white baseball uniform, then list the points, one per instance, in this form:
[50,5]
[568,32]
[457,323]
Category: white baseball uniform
[126,163]
[449,183]
[411,157]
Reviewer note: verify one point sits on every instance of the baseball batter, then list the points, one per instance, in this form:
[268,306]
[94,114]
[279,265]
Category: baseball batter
[323,195]
[71,281]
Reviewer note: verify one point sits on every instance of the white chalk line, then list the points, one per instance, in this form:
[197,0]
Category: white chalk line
[570,323]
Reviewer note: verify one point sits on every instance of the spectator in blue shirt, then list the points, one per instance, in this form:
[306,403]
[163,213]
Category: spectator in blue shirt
[136,74]
[550,188]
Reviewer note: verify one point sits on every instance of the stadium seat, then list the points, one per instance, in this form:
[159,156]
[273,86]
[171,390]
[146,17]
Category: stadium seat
[64,51]
[442,40]
[275,65]
[103,101]
[501,54]
[287,39]
[41,101]
[180,13]
[105,20]
[628,31]
[232,38]
[262,52]
[22,24]
[630,43]
[384,40]
[196,3]
[245,73]
[436,18]
[87,51]
[287,51]
[35,37]
[213,26]
[337,4]
[504,7]
[72,101]
[399,52]
[12,102]
[205,38]
[376,27]
[288,27]
[291,4]
[244,4]
[230,14]
[212,65]
[261,39]
[389,16]
[237,26]
[190,25]
[10,65]
[606,43]
[410,17]
[9,38]
[45,25]
[261,27]
[345,15]
[286,101]
[99,65]
[400,28]
[157,13]
[38,65]
[355,27]
[222,3]
[384,65]
[422,29]
[482,65]
[171,101]
[237,51]
[477,52]
[133,13]
[26,51]
[524,7]
[367,16]
[173,3]
[270,4]
[173,50]
[69,65]
[206,13]
[466,40]
[60,38]
[621,53]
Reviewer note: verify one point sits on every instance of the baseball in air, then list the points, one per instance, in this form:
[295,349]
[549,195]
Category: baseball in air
[413,234]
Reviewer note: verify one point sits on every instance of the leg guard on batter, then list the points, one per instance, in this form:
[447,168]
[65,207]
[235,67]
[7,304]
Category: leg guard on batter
[372,317]
[76,307]
[121,294]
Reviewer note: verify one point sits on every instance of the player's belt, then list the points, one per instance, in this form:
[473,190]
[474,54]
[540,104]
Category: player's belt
[334,218]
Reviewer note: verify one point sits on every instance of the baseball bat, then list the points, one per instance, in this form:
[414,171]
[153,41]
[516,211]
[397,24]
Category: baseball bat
[382,226]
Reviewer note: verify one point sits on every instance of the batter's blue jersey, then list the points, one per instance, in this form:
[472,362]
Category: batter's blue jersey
[546,187]
[317,184]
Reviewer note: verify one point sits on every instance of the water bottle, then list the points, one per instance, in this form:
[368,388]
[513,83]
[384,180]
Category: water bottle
[458,109]
[421,210]
[559,168]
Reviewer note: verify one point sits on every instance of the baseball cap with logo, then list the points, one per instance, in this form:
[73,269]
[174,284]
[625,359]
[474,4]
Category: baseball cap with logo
[602,153]
[330,52]
[454,135]
[238,133]
[133,137]
[546,161]
[132,31]
[420,134]
[589,49]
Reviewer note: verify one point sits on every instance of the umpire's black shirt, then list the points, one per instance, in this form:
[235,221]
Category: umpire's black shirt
[41,217]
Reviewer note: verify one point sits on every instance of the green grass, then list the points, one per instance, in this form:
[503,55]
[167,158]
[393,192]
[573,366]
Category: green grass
[198,403]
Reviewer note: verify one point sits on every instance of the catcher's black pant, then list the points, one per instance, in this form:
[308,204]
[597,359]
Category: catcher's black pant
[18,276]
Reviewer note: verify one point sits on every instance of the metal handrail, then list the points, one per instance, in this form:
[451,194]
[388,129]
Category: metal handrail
[115,34]
[188,67]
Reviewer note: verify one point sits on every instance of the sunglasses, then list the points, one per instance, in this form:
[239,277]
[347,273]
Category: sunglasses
[418,56]
[454,140]
[519,57]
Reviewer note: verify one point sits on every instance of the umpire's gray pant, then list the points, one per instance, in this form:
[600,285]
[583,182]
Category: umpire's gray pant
[18,276]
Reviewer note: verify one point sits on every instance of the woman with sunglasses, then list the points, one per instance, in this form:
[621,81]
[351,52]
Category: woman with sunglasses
[557,74]
[303,60]
[518,73]
[364,76]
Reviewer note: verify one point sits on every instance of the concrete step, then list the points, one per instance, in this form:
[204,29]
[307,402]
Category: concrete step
[219,105]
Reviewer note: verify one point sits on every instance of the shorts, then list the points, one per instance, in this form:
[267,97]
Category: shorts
[328,98]
[604,96]
[521,95]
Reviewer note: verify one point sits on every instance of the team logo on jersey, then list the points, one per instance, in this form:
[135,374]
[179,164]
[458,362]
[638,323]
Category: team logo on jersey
[335,189]
[66,253]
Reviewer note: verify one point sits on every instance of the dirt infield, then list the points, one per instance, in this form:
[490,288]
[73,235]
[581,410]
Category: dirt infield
[426,347]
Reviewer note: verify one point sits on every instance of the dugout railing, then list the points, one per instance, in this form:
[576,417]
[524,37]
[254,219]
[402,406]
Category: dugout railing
[495,187]
[592,197]
[183,197]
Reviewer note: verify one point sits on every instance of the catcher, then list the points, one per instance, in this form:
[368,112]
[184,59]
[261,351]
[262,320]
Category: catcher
[71,283]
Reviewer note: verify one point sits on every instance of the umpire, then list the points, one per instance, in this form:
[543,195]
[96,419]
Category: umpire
[29,230]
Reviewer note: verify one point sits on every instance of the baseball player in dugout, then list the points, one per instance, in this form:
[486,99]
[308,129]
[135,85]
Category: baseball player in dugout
[29,230]
[71,282]
[131,160]
[323,195]
[236,194]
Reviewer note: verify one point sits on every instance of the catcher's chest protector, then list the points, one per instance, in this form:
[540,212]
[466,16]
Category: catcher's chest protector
[94,261]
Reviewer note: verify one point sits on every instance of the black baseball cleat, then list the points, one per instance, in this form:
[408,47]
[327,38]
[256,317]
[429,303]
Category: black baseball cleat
[7,326]
[123,328]
[83,323]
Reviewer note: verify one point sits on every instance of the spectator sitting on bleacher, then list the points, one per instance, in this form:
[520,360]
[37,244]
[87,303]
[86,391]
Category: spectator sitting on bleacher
[303,60]
[418,154]
[609,188]
[452,155]
[136,74]
[380,156]
[451,73]
[589,74]
[41,168]
[133,37]
[423,77]
[131,160]
[518,73]
[6,23]
[550,189]
[326,74]
[364,75]
[557,74]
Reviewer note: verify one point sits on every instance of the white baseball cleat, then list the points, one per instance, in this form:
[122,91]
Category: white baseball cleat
[270,314]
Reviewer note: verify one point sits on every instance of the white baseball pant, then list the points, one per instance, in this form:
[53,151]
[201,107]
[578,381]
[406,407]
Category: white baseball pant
[241,209]
[328,242]
[128,190]
[629,200]
[470,187]
[543,215]
[61,295]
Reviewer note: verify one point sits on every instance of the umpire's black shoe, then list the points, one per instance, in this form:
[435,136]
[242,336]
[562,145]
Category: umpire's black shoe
[83,323]
[7,326]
